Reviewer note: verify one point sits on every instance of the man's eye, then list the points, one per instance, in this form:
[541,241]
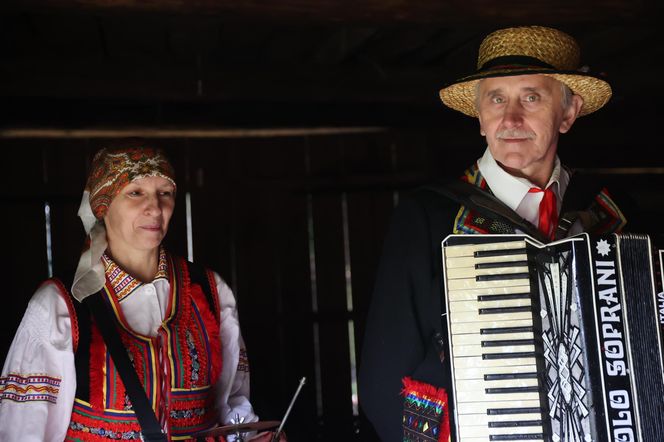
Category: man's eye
[498,100]
[531,98]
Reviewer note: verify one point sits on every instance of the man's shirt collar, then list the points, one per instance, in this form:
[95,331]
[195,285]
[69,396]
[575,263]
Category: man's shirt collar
[512,190]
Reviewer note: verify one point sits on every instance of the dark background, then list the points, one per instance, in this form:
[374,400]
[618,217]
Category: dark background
[295,127]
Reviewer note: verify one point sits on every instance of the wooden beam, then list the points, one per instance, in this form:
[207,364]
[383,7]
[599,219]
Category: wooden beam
[180,132]
[450,12]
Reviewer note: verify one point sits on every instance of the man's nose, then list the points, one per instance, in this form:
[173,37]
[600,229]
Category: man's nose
[513,116]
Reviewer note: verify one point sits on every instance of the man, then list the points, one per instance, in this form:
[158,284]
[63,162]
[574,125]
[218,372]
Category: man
[526,92]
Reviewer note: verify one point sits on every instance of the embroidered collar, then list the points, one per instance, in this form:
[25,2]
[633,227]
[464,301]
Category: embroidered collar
[123,283]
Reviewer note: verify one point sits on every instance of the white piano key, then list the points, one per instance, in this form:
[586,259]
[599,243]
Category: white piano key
[478,373]
[477,339]
[470,249]
[477,361]
[482,407]
[470,261]
[478,350]
[480,396]
[486,431]
[472,272]
[474,384]
[476,317]
[470,306]
[471,283]
[483,419]
[475,327]
[470,294]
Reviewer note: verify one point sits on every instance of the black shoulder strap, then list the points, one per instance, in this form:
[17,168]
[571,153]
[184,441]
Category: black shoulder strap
[104,318]
[198,275]
[485,204]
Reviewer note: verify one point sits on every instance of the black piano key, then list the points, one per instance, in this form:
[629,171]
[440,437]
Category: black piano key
[498,310]
[533,436]
[498,265]
[508,342]
[509,424]
[489,298]
[517,354]
[500,330]
[505,252]
[505,277]
[506,390]
[501,376]
[522,410]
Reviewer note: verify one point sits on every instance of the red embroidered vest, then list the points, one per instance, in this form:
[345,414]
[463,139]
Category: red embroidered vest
[178,368]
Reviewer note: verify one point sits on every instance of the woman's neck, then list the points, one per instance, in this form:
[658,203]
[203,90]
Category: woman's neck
[139,264]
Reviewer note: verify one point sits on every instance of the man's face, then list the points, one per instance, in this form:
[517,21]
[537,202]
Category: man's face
[521,117]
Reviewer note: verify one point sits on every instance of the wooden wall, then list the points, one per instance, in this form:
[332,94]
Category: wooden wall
[295,226]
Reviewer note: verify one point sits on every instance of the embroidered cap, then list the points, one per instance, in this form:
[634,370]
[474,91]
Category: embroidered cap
[113,169]
[529,50]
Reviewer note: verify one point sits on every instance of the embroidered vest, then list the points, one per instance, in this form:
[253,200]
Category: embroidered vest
[178,368]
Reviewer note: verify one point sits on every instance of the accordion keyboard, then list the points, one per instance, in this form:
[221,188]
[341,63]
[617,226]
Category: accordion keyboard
[493,340]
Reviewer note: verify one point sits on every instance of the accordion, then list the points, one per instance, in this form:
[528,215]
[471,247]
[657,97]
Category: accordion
[555,342]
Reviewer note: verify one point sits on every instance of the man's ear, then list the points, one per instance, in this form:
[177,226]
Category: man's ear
[571,113]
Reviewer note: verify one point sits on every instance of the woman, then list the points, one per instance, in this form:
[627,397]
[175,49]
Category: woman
[177,322]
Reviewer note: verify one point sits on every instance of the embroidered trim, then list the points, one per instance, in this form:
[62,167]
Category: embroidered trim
[29,388]
[611,219]
[468,221]
[64,293]
[123,283]
[104,433]
[426,412]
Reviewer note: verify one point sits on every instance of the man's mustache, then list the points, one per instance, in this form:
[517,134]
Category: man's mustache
[515,133]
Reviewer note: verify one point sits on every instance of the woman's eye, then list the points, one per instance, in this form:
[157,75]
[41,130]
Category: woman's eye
[166,193]
[134,193]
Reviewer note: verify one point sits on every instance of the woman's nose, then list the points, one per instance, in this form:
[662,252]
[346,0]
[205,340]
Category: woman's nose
[153,205]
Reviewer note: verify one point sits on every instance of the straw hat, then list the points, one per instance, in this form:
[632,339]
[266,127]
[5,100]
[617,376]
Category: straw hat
[524,51]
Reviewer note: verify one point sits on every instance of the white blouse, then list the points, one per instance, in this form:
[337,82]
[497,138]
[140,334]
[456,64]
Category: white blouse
[38,380]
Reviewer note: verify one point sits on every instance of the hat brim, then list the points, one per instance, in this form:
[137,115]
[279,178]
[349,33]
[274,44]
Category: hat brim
[595,92]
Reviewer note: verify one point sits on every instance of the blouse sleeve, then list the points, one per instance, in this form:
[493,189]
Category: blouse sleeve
[38,380]
[233,384]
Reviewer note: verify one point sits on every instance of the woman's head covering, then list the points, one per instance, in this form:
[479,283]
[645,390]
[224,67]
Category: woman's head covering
[112,169]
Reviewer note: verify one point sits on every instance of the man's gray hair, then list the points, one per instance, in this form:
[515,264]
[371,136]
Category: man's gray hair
[565,100]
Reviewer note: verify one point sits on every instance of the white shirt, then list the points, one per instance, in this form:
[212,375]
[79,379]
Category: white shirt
[43,346]
[514,191]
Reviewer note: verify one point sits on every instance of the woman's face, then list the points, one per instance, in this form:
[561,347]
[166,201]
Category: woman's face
[138,217]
